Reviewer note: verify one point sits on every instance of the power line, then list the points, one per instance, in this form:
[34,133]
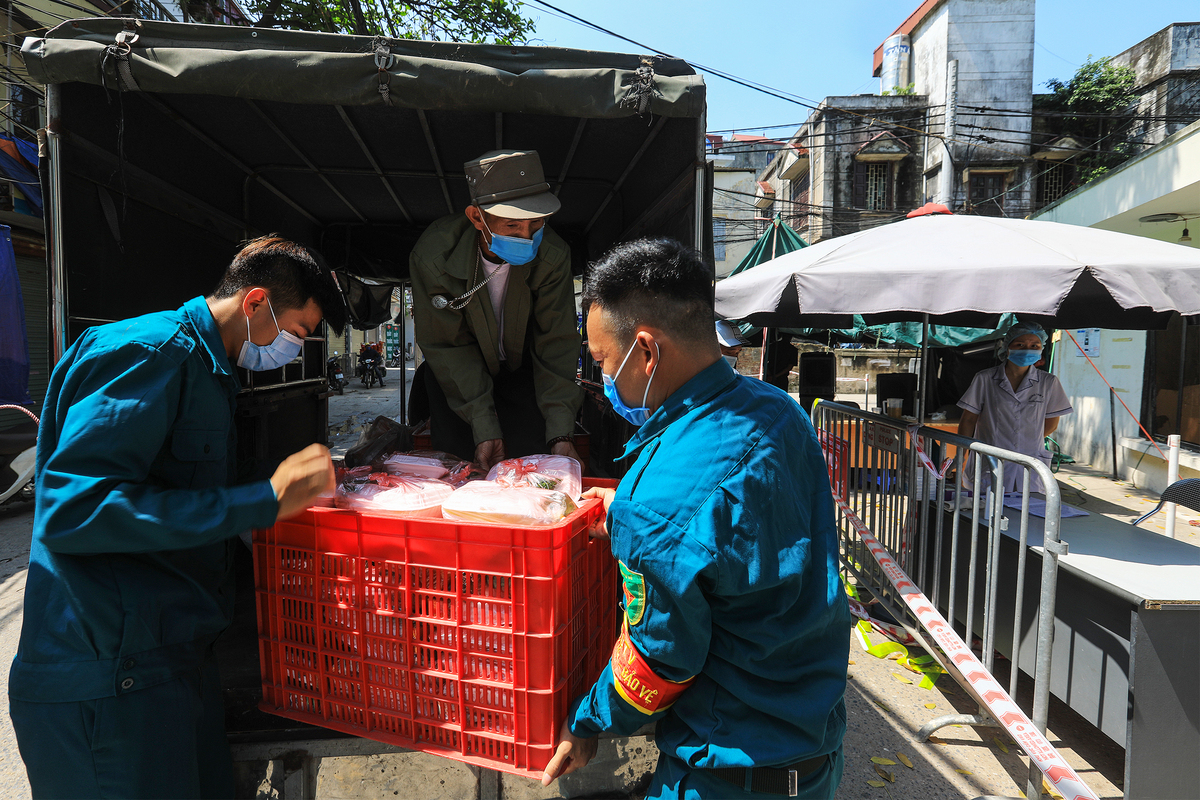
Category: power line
[758,87]
[72,6]
[39,10]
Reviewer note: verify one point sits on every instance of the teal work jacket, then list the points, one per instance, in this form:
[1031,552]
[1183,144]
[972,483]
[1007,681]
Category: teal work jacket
[129,575]
[725,535]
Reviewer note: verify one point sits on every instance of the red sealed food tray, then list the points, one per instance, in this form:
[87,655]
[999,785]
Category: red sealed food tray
[464,640]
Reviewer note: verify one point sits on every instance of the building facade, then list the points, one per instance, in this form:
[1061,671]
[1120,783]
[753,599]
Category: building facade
[858,164]
[952,125]
[1166,67]
[738,220]
[1155,373]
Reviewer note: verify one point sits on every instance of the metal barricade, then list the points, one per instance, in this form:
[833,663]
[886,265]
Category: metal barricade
[894,483]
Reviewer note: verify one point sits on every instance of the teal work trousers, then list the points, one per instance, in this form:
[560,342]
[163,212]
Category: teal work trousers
[674,780]
[165,741]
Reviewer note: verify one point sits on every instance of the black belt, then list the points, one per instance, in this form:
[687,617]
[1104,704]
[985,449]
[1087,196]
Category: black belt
[771,780]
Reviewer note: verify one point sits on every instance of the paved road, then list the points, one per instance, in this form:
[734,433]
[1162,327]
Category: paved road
[16,527]
[357,407]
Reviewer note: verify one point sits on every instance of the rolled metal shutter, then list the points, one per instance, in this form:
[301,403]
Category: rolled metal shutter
[34,279]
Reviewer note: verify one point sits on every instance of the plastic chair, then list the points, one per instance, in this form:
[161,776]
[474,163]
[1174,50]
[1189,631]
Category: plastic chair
[1185,492]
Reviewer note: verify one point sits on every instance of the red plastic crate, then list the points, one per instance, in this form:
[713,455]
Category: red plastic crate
[463,640]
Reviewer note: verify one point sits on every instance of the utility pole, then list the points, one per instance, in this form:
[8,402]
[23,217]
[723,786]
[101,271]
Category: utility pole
[949,130]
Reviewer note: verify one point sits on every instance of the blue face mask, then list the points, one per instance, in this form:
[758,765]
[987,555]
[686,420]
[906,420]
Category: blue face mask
[257,358]
[636,416]
[1024,358]
[513,249]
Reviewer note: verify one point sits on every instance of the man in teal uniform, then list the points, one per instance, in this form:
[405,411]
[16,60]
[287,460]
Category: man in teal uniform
[735,635]
[114,690]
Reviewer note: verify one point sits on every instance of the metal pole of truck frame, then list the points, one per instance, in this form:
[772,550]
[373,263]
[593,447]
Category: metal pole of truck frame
[55,261]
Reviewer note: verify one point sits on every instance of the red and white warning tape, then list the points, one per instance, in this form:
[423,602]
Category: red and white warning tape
[23,410]
[1003,708]
[929,465]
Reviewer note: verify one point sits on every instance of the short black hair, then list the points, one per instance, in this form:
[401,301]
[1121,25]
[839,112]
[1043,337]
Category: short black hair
[290,272]
[653,281]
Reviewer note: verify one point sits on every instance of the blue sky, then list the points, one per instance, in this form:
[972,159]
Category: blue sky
[821,49]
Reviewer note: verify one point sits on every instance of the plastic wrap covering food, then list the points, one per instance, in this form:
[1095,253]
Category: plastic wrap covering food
[487,501]
[408,464]
[458,472]
[400,493]
[560,473]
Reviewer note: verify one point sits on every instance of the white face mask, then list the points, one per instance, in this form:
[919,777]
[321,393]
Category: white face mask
[731,361]
[282,349]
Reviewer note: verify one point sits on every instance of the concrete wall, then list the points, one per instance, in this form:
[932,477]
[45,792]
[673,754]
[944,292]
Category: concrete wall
[992,40]
[929,42]
[737,161]
[993,43]
[1176,48]
[822,163]
[738,212]
[1167,66]
[1086,435]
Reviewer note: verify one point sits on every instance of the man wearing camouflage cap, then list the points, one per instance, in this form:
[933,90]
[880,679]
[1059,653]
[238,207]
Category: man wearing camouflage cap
[494,306]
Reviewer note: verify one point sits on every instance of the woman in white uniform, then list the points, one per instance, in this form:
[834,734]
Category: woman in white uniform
[1015,405]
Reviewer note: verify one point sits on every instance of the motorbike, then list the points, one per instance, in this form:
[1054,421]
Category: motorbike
[337,379]
[370,370]
[396,357]
[18,451]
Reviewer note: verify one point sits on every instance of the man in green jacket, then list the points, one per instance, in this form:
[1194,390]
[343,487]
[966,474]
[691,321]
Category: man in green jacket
[495,317]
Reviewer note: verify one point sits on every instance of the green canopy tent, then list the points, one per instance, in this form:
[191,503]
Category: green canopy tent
[902,334]
[777,240]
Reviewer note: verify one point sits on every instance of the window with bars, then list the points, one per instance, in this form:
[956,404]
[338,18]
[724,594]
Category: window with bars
[877,186]
[801,192]
[150,9]
[987,193]
[24,111]
[719,239]
[1054,182]
[873,182]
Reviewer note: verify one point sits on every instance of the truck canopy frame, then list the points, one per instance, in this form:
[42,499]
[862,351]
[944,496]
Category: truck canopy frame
[289,131]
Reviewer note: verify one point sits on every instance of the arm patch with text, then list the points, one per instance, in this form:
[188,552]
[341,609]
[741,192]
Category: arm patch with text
[637,683]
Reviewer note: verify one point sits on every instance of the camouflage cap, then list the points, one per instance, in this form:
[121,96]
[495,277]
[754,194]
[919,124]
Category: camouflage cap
[510,184]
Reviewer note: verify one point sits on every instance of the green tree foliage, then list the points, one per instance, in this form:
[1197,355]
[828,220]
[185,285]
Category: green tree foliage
[438,20]
[1097,105]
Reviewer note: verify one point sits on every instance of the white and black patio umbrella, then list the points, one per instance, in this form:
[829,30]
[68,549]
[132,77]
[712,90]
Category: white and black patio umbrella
[966,270]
